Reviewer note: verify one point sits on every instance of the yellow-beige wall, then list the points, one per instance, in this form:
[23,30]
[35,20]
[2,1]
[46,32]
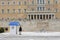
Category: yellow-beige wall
[29,6]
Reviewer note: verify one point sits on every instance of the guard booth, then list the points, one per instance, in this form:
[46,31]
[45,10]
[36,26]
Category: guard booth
[14,27]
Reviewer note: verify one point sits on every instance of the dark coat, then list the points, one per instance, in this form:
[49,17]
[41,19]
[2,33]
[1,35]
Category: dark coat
[20,29]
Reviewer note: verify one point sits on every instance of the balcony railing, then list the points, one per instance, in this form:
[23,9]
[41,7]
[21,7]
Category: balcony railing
[41,11]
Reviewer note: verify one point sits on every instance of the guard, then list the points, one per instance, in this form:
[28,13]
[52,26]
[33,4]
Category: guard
[20,30]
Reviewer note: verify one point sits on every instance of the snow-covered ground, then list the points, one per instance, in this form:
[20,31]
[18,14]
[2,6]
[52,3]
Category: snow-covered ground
[33,34]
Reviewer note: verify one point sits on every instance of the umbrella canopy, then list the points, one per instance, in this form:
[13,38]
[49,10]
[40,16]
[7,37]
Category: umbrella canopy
[14,23]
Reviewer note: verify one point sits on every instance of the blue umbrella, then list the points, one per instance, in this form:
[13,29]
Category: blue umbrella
[14,23]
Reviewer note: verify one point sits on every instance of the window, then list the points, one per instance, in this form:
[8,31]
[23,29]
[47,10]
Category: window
[13,10]
[2,18]
[43,1]
[56,10]
[43,16]
[8,18]
[8,3]
[49,16]
[40,8]
[37,16]
[40,1]
[2,3]
[32,17]
[19,3]
[52,15]
[43,8]
[48,9]
[24,2]
[40,16]
[2,10]
[14,3]
[56,1]
[18,10]
[37,8]
[32,9]
[6,29]
[8,10]
[46,16]
[48,1]
[32,2]
[24,10]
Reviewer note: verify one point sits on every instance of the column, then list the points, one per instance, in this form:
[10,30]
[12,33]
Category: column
[36,17]
[30,16]
[27,17]
[51,16]
[33,17]
[39,17]
[54,16]
[48,16]
[42,17]
[45,17]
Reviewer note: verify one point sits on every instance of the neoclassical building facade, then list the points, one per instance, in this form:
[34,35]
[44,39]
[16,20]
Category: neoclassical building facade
[29,11]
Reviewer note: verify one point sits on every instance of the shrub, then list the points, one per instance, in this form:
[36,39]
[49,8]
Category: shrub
[1,30]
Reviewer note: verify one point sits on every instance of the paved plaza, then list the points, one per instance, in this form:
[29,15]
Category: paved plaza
[30,38]
[35,36]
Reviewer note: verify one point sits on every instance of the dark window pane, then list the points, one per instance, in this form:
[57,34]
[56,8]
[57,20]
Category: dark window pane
[34,16]
[40,16]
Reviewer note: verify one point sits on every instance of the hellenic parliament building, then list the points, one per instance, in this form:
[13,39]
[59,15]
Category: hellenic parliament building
[30,15]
